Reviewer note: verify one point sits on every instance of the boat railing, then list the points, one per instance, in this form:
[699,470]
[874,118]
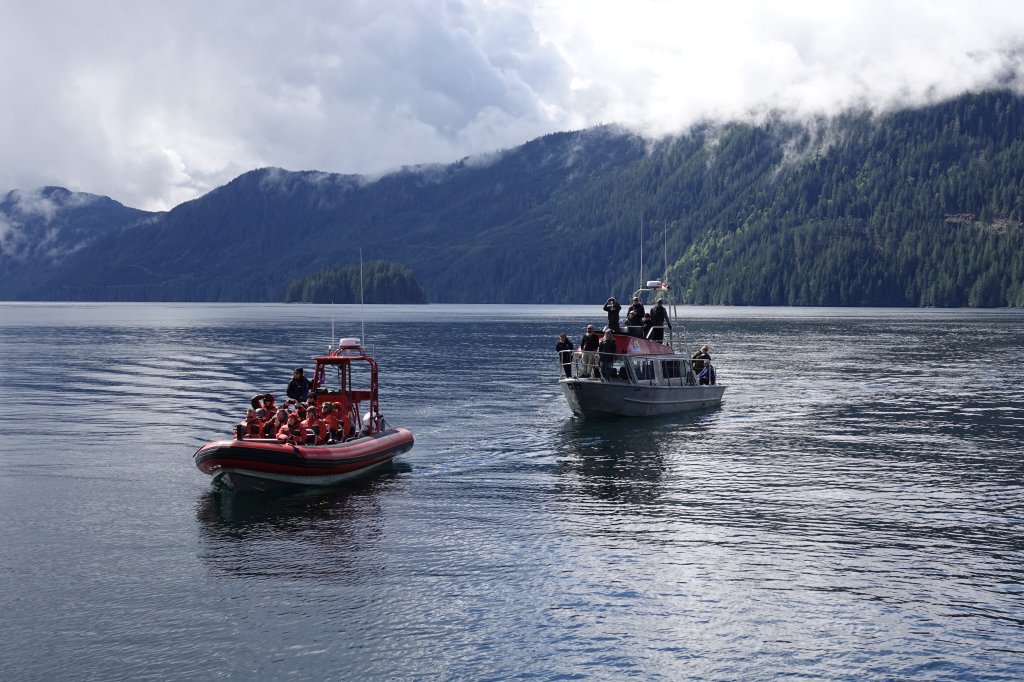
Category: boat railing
[619,368]
[638,331]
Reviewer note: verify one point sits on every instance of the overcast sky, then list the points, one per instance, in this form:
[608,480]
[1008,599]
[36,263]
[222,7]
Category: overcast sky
[154,103]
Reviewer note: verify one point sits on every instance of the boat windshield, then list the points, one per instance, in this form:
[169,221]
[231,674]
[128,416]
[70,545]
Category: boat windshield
[345,377]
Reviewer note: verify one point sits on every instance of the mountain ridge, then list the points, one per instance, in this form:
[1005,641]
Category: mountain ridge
[914,207]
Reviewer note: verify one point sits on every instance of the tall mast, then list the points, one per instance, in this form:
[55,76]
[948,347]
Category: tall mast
[641,251]
[362,317]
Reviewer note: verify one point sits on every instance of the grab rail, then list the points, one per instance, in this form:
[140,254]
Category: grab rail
[619,367]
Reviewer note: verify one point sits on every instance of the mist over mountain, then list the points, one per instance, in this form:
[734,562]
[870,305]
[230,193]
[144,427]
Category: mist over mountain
[920,207]
[40,230]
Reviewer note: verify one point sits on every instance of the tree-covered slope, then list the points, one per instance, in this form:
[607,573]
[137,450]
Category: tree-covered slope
[921,208]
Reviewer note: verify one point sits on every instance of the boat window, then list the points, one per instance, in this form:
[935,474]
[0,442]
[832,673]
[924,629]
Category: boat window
[332,378]
[360,376]
[670,369]
[643,369]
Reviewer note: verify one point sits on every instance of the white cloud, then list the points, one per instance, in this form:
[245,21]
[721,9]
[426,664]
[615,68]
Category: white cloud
[156,103]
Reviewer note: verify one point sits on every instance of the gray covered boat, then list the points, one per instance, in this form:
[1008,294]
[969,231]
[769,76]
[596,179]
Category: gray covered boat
[644,377]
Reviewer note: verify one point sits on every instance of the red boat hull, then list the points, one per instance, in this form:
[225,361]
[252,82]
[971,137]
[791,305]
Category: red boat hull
[268,464]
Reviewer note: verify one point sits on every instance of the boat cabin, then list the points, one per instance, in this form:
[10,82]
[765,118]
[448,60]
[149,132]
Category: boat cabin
[347,377]
[636,361]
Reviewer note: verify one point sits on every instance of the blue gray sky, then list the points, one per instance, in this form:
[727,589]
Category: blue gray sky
[155,103]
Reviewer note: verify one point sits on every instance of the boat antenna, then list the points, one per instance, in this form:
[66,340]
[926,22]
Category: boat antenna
[362,317]
[331,344]
[641,251]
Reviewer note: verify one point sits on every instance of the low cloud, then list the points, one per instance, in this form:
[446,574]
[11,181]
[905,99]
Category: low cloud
[157,103]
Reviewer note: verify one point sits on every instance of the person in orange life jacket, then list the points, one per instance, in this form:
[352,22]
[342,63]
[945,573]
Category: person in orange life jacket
[659,320]
[292,431]
[298,387]
[564,350]
[256,428]
[312,423]
[330,422]
[268,404]
[248,427]
[272,425]
[343,411]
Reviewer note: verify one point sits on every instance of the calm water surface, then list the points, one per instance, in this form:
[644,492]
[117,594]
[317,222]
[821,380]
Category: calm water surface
[854,510]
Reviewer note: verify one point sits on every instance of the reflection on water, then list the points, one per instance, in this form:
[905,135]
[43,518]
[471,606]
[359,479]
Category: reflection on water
[624,459]
[303,531]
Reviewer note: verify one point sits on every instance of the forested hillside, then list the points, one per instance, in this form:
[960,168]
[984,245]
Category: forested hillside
[918,207]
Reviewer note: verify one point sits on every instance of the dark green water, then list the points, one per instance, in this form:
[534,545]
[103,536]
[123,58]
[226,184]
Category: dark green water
[853,511]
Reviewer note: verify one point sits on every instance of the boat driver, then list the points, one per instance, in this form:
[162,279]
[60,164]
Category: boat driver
[298,387]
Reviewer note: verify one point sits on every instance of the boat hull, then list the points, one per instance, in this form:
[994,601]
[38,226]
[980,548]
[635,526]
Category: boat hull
[596,398]
[255,465]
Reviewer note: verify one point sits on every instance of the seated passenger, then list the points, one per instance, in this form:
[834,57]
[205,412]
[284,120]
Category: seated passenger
[331,424]
[313,428]
[268,403]
[703,368]
[292,431]
[249,427]
[256,427]
[272,425]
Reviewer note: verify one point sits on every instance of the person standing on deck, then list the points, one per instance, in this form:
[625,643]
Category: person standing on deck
[298,387]
[635,318]
[648,325]
[612,307]
[607,354]
[564,350]
[659,320]
[589,344]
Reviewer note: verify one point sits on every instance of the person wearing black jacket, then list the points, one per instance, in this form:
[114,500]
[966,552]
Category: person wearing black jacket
[659,320]
[589,344]
[298,387]
[612,307]
[702,367]
[564,350]
[648,326]
[606,348]
[635,318]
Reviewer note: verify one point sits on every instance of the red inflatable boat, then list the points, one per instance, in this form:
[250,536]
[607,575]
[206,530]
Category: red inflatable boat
[345,377]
